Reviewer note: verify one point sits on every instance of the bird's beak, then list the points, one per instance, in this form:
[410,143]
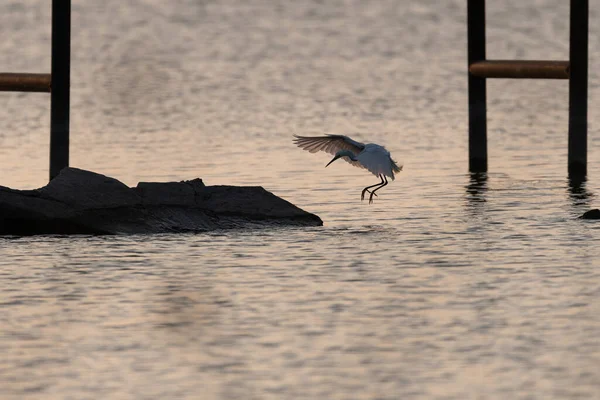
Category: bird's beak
[332,160]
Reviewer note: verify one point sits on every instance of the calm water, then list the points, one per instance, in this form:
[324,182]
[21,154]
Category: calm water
[447,287]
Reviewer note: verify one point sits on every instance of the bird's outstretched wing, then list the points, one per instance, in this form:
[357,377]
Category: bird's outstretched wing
[330,144]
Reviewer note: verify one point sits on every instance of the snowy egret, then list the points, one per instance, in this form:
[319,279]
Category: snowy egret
[372,157]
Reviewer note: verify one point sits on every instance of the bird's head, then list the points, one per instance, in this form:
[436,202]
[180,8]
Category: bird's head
[342,153]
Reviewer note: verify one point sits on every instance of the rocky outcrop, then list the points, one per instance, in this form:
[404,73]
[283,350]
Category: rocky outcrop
[84,202]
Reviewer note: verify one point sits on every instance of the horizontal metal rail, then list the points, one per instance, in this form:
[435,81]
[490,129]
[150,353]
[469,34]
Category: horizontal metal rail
[521,69]
[22,82]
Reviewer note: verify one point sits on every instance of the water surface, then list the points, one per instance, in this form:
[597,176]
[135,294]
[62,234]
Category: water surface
[449,286]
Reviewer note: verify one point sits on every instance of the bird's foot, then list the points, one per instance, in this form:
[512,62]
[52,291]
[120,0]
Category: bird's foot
[362,195]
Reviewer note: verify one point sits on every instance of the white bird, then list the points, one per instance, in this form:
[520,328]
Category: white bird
[372,157]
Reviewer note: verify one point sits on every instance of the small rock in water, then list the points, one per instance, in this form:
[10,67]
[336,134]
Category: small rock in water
[591,214]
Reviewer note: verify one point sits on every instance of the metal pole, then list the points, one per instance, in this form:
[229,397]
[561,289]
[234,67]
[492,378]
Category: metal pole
[578,88]
[477,87]
[59,96]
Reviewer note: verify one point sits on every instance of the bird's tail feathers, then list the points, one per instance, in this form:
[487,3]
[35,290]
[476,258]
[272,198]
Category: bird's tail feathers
[395,166]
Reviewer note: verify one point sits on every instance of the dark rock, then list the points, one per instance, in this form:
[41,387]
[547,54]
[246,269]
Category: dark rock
[171,193]
[79,201]
[591,214]
[84,190]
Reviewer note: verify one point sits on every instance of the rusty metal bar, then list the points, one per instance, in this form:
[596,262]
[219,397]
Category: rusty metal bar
[578,88]
[21,82]
[520,69]
[477,87]
[61,82]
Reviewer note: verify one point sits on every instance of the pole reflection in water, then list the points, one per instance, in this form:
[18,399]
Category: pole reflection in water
[477,188]
[578,193]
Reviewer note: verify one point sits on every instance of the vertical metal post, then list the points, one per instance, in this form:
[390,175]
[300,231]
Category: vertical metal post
[477,87]
[59,95]
[578,87]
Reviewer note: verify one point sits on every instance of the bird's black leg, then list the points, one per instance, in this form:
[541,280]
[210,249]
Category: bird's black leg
[362,194]
[377,188]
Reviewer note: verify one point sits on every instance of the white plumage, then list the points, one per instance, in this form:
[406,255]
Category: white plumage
[372,157]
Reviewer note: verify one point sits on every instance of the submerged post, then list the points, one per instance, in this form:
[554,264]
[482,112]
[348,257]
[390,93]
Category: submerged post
[477,87]
[60,73]
[578,87]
